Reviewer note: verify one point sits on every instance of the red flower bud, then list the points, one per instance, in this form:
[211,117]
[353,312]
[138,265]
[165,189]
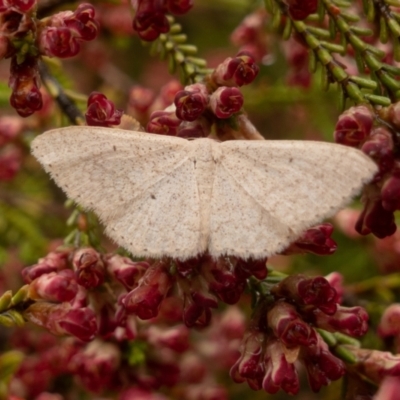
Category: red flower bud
[58,42]
[374,218]
[191,102]
[101,111]
[391,192]
[301,9]
[352,321]
[126,271]
[354,126]
[225,101]
[179,7]
[163,123]
[150,20]
[145,300]
[288,327]
[83,23]
[89,268]
[238,71]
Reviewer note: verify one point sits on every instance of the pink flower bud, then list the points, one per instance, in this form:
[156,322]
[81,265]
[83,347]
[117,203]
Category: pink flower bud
[145,300]
[279,373]
[354,126]
[288,327]
[97,365]
[101,111]
[10,163]
[53,262]
[55,286]
[163,123]
[389,324]
[301,9]
[315,240]
[238,71]
[380,148]
[352,321]
[22,5]
[375,364]
[250,365]
[58,42]
[89,268]
[191,102]
[179,7]
[62,319]
[322,366]
[150,20]
[126,271]
[83,23]
[225,101]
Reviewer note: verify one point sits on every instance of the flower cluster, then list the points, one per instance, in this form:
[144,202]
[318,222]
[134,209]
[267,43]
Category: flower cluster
[24,38]
[151,16]
[356,128]
[283,333]
[200,105]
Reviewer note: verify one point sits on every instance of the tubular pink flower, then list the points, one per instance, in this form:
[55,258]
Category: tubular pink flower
[196,314]
[238,71]
[279,373]
[163,123]
[125,270]
[191,102]
[145,300]
[62,319]
[89,268]
[83,23]
[55,286]
[101,111]
[376,365]
[250,366]
[226,101]
[58,42]
[352,321]
[175,338]
[53,262]
[322,367]
[288,327]
[354,126]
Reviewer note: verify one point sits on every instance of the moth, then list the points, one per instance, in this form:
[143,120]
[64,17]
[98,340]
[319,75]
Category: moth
[167,196]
